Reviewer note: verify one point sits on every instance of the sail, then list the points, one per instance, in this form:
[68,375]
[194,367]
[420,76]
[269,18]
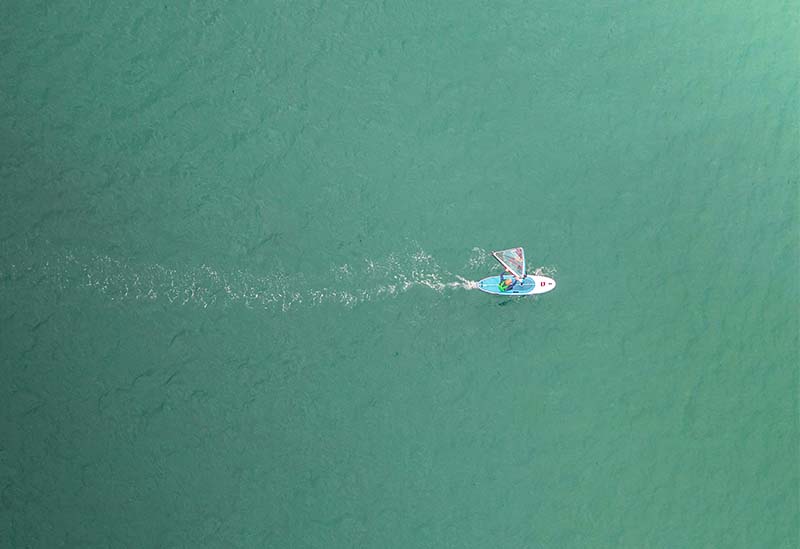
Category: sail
[512,259]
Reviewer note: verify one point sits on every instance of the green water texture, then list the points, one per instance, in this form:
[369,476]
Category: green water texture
[238,242]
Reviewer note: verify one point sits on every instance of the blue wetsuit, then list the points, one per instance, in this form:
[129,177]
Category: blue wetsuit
[510,286]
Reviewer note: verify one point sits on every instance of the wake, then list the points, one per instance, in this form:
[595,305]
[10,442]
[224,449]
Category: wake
[209,286]
[348,284]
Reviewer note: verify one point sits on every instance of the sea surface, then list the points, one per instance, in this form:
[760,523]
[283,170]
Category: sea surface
[239,243]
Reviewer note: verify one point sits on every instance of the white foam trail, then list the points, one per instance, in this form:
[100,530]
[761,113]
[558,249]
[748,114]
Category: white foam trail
[208,286]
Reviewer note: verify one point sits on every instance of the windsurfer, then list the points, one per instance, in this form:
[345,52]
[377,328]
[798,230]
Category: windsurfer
[506,284]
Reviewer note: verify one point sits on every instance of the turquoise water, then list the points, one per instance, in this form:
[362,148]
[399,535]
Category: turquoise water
[238,246]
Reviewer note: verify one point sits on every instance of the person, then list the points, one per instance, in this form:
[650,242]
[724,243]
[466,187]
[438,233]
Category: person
[507,284]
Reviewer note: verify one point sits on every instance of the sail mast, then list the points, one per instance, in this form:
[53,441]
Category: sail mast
[513,259]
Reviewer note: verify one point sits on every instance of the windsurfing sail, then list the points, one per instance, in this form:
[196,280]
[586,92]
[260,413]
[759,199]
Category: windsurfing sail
[513,259]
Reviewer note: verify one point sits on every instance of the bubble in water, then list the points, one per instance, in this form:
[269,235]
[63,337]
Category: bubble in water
[208,286]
